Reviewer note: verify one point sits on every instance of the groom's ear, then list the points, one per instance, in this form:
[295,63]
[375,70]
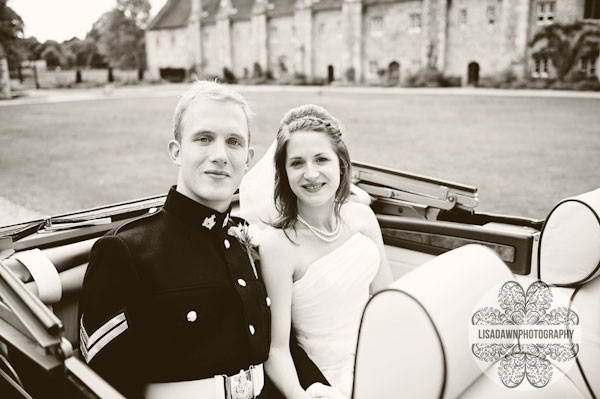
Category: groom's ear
[250,157]
[175,151]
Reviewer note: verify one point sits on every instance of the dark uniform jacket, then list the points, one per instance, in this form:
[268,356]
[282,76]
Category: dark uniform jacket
[173,296]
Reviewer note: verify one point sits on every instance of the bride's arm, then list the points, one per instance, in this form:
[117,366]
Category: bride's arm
[277,269]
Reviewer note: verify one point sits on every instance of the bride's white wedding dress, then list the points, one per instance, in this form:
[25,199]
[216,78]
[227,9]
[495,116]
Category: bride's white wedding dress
[327,305]
[328,301]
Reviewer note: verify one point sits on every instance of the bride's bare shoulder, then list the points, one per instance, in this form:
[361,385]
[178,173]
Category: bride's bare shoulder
[272,236]
[274,243]
[359,216]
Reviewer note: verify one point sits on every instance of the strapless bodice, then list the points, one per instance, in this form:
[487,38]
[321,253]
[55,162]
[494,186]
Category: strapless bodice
[327,305]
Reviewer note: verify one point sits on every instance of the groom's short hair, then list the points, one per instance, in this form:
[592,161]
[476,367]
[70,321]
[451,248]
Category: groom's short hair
[204,89]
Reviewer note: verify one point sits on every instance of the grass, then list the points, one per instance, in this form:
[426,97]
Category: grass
[524,154]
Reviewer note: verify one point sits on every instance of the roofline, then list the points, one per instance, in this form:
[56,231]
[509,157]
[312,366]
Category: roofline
[159,15]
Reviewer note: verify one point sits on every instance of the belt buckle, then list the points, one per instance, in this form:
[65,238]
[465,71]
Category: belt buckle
[240,386]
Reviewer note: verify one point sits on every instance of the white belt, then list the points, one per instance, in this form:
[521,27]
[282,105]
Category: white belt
[247,384]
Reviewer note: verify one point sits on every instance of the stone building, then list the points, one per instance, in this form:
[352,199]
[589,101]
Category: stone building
[359,40]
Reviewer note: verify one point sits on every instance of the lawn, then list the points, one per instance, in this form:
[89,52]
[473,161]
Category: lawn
[523,153]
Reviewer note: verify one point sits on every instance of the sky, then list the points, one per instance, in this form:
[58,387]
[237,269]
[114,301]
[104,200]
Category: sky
[60,20]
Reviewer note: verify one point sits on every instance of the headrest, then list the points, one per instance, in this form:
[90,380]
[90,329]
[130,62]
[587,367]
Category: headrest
[569,249]
[414,336]
[44,274]
[52,272]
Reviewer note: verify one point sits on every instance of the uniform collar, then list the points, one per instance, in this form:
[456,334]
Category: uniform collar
[194,213]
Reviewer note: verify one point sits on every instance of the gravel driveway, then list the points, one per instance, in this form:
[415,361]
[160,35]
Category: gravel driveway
[11,213]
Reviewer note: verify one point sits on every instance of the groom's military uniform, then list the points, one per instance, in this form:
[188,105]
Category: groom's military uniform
[173,297]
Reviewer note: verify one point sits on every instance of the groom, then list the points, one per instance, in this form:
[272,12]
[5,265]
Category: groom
[172,306]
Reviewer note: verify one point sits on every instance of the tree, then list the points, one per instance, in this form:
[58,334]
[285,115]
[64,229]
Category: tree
[70,49]
[122,37]
[11,30]
[565,44]
[115,39]
[139,12]
[95,59]
[96,34]
[75,56]
[31,48]
[89,54]
[136,10]
[52,53]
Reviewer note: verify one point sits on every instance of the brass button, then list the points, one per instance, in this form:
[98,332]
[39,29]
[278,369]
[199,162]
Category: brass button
[192,316]
[227,244]
[268,301]
[252,329]
[242,282]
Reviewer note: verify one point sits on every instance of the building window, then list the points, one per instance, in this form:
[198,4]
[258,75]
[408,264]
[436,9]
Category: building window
[273,33]
[540,69]
[376,26]
[415,23]
[592,9]
[173,40]
[462,18]
[416,65]
[373,68]
[158,42]
[322,29]
[587,65]
[491,15]
[545,12]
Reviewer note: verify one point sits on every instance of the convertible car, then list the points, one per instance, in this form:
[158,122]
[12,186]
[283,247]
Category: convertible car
[414,336]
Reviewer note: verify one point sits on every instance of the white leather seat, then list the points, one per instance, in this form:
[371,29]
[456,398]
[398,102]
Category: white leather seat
[70,262]
[413,340]
[569,256]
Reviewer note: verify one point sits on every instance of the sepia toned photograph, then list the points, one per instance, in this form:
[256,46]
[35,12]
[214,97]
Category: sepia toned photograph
[336,199]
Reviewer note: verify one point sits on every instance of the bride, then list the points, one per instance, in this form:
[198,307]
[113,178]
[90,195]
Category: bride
[323,256]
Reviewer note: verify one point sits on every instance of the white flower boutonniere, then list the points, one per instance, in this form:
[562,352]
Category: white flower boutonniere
[242,233]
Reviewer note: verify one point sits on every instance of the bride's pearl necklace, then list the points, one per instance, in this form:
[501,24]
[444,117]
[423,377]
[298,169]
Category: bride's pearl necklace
[327,236]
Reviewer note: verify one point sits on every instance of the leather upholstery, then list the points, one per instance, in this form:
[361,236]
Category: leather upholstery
[414,336]
[413,340]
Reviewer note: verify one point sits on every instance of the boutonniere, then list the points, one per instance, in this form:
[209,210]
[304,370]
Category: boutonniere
[241,232]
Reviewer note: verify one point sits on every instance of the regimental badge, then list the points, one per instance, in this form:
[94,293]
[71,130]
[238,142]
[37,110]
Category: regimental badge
[209,222]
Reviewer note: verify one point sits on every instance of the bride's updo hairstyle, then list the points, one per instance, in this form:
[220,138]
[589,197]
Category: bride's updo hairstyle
[307,118]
